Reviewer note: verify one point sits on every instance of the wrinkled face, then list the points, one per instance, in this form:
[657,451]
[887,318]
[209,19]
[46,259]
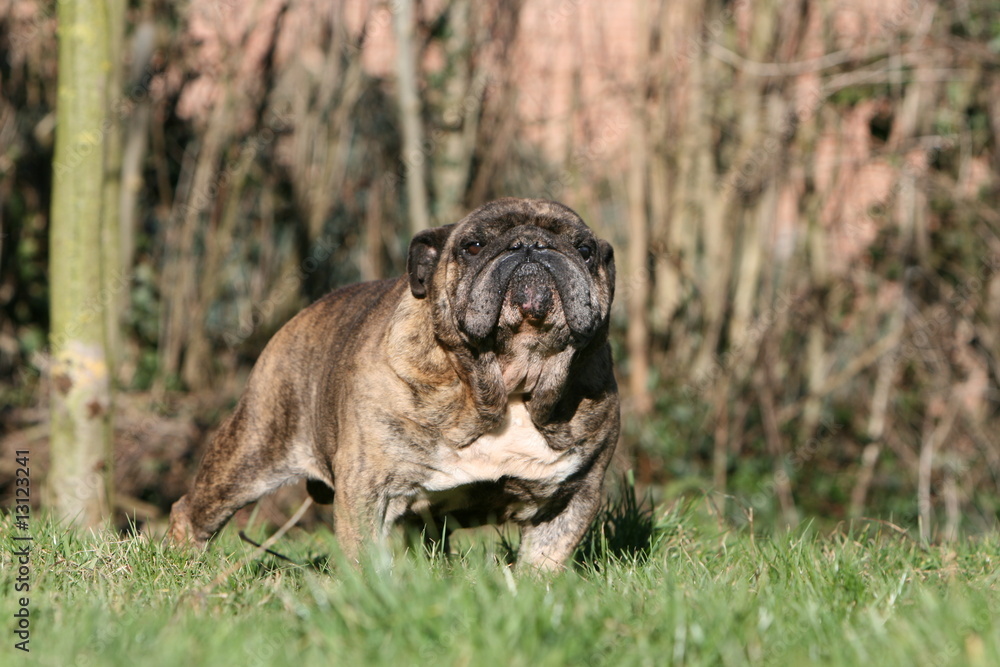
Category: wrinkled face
[520,269]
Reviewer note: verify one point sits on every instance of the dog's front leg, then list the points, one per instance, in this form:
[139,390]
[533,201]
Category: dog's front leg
[547,545]
[361,514]
[547,542]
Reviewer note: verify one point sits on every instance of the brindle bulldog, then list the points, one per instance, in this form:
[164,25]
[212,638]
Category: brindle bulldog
[478,388]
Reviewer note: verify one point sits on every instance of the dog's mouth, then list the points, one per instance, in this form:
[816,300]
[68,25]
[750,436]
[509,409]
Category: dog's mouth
[532,286]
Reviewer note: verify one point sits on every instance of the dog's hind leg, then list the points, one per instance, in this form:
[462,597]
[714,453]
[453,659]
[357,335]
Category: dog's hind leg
[246,460]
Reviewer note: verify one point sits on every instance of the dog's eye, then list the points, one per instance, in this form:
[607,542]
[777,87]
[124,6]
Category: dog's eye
[473,247]
[586,252]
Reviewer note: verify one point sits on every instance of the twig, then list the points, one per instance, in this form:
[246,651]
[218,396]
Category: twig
[246,538]
[255,554]
[871,77]
[898,529]
[791,69]
[763,383]
[826,61]
[858,364]
[259,551]
[933,438]
[877,418]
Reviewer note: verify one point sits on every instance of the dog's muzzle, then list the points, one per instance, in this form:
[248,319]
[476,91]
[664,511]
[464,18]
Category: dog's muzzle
[530,292]
[530,272]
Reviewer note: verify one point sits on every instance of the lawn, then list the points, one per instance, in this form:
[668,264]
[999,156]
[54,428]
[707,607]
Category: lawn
[670,586]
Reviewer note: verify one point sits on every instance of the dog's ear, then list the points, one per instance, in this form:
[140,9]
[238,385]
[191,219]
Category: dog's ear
[608,258]
[425,251]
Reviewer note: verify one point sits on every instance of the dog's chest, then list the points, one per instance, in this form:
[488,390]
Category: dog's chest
[514,449]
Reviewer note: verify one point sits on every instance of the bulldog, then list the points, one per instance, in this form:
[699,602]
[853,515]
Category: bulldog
[477,388]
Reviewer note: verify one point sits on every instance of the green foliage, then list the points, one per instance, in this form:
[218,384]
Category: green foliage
[276,257]
[696,597]
[623,531]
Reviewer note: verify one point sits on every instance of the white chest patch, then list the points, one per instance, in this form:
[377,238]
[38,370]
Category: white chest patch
[514,449]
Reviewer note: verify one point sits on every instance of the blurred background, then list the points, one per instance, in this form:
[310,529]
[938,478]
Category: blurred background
[802,195]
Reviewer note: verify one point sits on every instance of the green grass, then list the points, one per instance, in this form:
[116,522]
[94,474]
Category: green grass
[651,588]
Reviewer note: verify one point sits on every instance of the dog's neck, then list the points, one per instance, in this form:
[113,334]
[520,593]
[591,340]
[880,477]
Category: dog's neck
[416,356]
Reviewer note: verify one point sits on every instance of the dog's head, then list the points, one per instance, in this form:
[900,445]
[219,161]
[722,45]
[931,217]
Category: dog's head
[515,276]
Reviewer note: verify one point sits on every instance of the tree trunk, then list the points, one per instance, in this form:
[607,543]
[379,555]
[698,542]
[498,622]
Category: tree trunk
[113,279]
[135,140]
[409,111]
[637,294]
[454,138]
[79,480]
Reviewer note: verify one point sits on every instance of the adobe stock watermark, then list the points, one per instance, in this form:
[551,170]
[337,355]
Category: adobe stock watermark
[279,123]
[290,283]
[763,153]
[597,149]
[269,649]
[451,117]
[92,309]
[107,632]
[898,15]
[94,139]
[563,11]
[693,47]
[32,28]
[982,622]
[376,21]
[921,341]
[856,221]
[786,302]
[795,461]
[20,557]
